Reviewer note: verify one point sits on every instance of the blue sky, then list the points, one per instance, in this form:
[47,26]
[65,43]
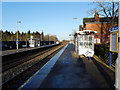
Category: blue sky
[55,18]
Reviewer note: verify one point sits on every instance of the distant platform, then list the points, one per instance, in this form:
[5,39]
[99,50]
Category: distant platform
[13,51]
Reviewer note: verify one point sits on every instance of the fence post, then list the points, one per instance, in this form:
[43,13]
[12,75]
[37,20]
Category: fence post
[110,58]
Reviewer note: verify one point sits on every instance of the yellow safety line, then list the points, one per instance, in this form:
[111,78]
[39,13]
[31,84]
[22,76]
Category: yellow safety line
[97,59]
[113,65]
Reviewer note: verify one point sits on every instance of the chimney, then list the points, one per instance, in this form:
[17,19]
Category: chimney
[80,27]
[97,17]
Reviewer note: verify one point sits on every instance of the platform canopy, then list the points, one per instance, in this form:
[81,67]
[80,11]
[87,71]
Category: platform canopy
[85,32]
[90,31]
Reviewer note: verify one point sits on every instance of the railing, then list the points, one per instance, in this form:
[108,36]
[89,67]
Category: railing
[102,51]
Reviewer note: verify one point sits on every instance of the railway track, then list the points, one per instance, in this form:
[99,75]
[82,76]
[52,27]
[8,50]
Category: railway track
[34,64]
[6,66]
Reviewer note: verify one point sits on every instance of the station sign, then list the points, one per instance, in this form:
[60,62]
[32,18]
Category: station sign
[17,39]
[114,29]
[70,34]
[114,39]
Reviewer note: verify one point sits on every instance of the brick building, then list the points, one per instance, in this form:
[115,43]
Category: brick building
[99,24]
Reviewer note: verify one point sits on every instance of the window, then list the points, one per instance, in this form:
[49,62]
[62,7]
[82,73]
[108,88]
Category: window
[81,43]
[86,44]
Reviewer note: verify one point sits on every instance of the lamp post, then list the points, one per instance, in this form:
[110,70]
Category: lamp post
[49,39]
[75,18]
[17,34]
[74,30]
[73,39]
[54,39]
[41,38]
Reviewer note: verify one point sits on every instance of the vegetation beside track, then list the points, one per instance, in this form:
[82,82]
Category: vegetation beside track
[102,51]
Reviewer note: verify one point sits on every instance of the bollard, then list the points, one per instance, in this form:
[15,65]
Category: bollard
[90,59]
[110,58]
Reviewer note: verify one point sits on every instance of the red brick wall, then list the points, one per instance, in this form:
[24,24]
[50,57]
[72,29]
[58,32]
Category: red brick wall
[94,27]
[97,27]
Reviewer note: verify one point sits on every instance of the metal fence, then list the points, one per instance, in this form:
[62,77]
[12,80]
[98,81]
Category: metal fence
[8,45]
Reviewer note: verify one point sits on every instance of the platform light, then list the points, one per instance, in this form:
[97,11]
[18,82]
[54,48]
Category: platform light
[75,18]
[17,34]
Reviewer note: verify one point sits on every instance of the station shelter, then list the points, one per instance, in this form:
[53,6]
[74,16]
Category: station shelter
[34,42]
[84,42]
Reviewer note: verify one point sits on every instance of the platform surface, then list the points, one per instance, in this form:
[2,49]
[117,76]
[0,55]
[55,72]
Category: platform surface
[68,71]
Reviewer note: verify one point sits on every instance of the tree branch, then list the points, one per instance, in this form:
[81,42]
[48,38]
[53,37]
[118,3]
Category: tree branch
[116,12]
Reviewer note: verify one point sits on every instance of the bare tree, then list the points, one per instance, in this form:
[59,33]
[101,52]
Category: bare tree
[106,9]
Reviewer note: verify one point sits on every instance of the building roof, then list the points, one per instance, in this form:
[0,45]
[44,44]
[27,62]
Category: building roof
[84,32]
[102,19]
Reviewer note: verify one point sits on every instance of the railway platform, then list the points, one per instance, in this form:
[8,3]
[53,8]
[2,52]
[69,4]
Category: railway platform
[13,51]
[68,70]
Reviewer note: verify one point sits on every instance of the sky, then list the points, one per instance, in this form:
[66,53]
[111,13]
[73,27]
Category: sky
[54,18]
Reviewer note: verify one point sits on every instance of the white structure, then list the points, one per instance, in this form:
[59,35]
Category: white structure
[118,68]
[33,42]
[84,42]
[57,42]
